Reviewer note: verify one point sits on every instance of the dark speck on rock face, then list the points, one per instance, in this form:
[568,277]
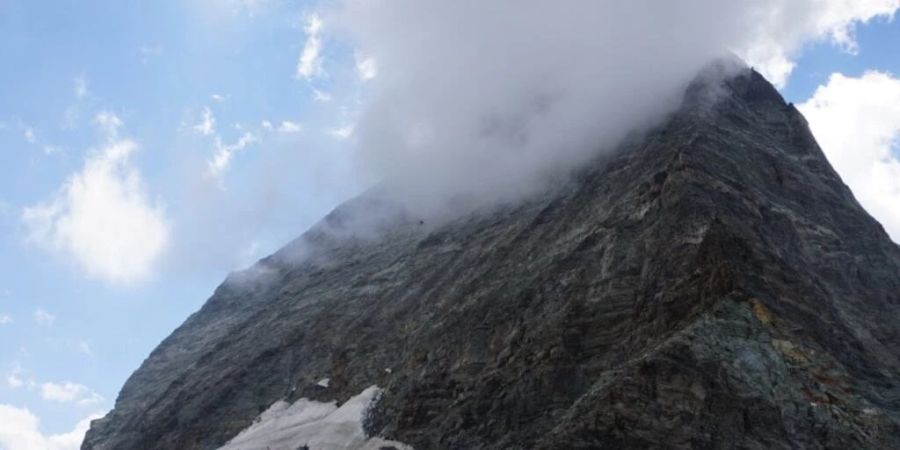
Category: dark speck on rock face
[712,285]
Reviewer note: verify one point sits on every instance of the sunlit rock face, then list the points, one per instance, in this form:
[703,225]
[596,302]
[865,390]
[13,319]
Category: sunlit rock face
[712,284]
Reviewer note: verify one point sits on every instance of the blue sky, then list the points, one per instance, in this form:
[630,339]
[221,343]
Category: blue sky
[879,49]
[157,69]
[176,83]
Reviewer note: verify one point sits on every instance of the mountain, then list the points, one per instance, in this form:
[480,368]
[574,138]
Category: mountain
[712,284]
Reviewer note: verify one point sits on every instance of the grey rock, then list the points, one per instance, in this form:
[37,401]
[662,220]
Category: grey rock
[712,285]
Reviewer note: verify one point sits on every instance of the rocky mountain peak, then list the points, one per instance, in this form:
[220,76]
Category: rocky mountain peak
[713,284]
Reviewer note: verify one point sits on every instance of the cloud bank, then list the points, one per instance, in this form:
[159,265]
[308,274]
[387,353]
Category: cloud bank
[481,100]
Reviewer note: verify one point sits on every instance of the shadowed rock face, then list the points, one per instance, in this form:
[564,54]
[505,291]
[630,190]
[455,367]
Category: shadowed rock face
[712,285]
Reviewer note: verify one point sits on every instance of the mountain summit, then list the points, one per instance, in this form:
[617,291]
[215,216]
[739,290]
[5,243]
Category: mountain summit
[712,284]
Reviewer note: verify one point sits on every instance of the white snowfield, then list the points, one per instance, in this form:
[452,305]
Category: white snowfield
[316,425]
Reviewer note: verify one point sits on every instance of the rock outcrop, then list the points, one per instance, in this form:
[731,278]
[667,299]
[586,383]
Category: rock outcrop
[712,284]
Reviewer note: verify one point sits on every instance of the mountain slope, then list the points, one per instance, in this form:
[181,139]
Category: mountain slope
[712,285]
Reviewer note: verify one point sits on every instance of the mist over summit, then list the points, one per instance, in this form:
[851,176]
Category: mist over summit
[482,102]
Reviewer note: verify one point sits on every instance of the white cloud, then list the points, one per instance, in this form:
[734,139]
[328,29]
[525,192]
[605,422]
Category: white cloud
[310,65]
[780,28]
[857,123]
[221,159]
[217,97]
[289,127]
[43,318]
[101,216]
[5,319]
[266,125]
[839,18]
[343,132]
[207,124]
[366,67]
[64,392]
[20,430]
[69,392]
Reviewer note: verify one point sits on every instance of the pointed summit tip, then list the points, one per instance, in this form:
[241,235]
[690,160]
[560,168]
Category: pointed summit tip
[730,77]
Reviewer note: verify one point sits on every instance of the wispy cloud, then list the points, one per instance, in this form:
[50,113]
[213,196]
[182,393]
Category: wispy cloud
[28,135]
[81,87]
[310,65]
[342,132]
[366,67]
[14,380]
[43,318]
[5,319]
[289,127]
[223,155]
[69,392]
[84,347]
[321,96]
[207,124]
[109,123]
[62,392]
[148,52]
[248,8]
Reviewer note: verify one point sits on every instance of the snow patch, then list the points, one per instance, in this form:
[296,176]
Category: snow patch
[316,425]
[324,382]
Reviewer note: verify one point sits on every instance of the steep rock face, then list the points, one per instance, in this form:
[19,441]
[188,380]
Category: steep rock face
[711,285]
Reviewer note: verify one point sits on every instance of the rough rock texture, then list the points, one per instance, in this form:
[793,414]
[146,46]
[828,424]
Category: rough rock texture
[712,285]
